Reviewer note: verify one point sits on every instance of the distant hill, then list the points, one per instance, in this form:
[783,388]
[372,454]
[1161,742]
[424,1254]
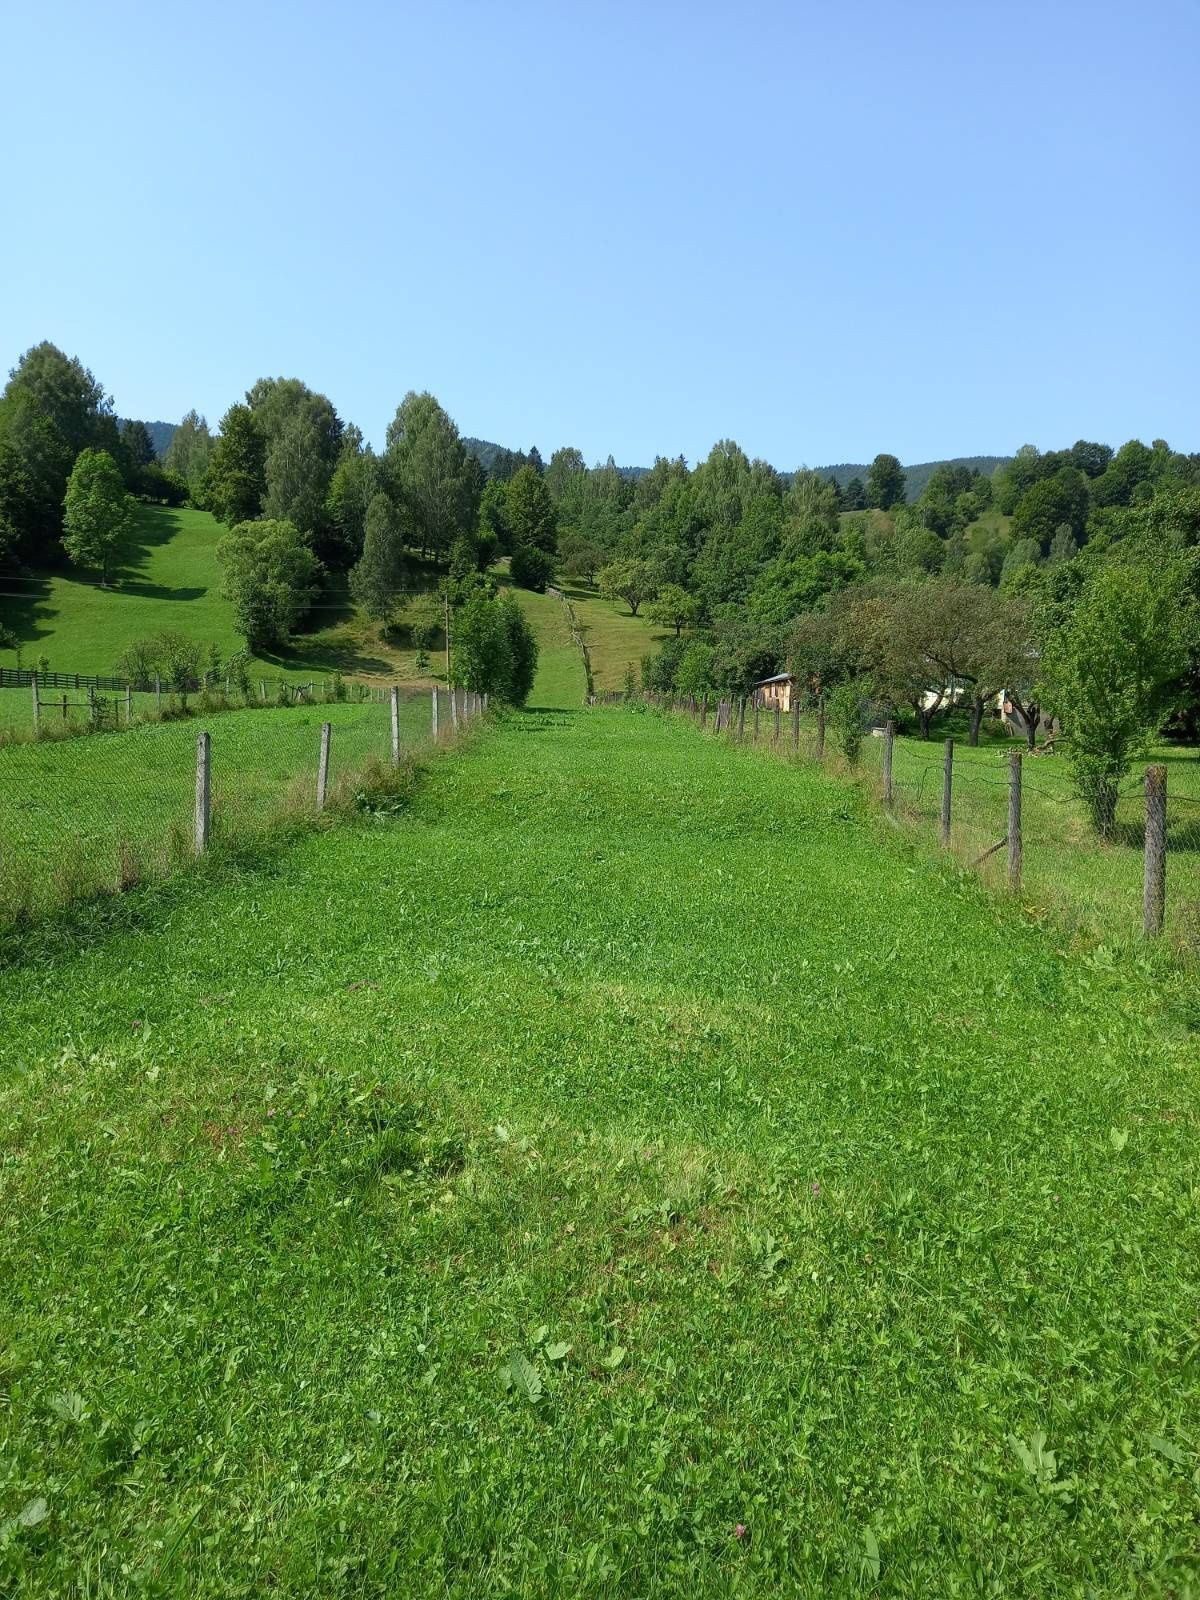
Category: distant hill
[161,434]
[917,475]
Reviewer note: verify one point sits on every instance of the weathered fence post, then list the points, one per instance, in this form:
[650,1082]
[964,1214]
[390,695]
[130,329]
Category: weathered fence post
[947,785]
[820,727]
[1014,821]
[323,765]
[1154,892]
[454,708]
[435,711]
[889,745]
[778,724]
[395,726]
[703,710]
[755,719]
[262,690]
[485,695]
[37,705]
[203,792]
[795,724]
[157,692]
[128,705]
[741,718]
[91,706]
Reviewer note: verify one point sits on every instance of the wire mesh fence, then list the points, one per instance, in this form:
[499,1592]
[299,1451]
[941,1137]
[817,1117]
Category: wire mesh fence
[1079,853]
[102,812]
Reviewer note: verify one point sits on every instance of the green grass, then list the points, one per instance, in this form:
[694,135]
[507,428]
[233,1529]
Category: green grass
[632,1143]
[169,578]
[614,639]
[560,677]
[86,813]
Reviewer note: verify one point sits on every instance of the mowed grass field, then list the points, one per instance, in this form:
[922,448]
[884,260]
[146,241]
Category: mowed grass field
[169,578]
[614,639]
[632,1171]
[86,813]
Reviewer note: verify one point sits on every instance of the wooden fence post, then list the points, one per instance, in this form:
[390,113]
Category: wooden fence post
[741,718]
[1014,821]
[435,711]
[703,710]
[1154,892]
[395,726]
[323,766]
[203,792]
[889,744]
[755,719]
[128,705]
[947,785]
[820,727]
[795,724]
[778,721]
[37,705]
[157,692]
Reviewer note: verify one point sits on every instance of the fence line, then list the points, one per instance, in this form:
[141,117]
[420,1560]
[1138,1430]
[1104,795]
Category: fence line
[1123,860]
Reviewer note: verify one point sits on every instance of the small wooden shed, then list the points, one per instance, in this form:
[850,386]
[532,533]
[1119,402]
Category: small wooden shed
[775,692]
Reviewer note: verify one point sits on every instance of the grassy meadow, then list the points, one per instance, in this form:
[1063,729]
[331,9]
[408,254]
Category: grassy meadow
[632,1169]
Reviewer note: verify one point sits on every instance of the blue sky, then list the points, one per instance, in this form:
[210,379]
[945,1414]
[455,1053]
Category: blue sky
[821,230]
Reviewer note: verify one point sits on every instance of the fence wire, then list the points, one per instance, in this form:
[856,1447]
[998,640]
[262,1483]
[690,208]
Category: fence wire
[114,803]
[1083,854]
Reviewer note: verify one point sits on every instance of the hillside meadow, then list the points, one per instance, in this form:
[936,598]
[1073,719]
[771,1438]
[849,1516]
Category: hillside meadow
[628,1169]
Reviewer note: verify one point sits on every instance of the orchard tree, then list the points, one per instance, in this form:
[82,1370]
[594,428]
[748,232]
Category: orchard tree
[631,580]
[98,513]
[885,483]
[271,579]
[377,582]
[1108,673]
[674,608]
[236,481]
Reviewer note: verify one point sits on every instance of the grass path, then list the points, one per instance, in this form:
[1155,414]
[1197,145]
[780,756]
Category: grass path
[628,1173]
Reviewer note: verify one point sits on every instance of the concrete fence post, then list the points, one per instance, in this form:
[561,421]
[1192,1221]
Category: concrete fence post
[37,705]
[395,697]
[947,785]
[203,816]
[454,708]
[434,696]
[889,746]
[323,765]
[1154,891]
[1014,821]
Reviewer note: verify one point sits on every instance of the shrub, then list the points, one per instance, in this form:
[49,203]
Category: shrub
[531,568]
[843,716]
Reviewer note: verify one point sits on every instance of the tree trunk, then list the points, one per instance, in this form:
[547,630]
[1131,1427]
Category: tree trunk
[977,710]
[1102,801]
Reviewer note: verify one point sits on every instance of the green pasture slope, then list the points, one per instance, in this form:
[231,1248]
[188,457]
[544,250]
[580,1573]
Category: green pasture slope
[630,1172]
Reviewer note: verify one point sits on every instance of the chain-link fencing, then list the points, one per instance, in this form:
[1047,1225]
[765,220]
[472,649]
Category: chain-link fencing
[122,803]
[1082,852]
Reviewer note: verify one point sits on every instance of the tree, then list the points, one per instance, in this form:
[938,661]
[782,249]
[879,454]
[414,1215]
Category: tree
[1107,673]
[675,608]
[566,464]
[522,649]
[1047,504]
[356,480]
[695,673]
[483,661]
[189,453]
[531,516]
[271,579]
[631,581]
[580,558]
[430,472]
[530,567]
[139,446]
[377,582]
[885,483]
[303,435]
[98,513]
[855,495]
[236,480]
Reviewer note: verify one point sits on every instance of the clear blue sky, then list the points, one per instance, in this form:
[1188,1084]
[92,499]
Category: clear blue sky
[823,230]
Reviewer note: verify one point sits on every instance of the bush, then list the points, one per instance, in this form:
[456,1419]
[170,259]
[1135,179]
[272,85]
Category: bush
[271,578]
[162,486]
[171,657]
[531,568]
[843,716]
[659,670]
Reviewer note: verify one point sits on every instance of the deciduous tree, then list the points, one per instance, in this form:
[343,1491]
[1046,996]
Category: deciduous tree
[98,513]
[271,577]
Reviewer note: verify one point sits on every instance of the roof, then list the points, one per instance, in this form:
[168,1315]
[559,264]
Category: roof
[780,677]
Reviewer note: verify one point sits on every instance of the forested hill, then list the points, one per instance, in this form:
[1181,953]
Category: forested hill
[491,455]
[161,434]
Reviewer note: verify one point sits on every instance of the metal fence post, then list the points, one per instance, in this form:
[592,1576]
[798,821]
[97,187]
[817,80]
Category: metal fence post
[889,743]
[947,785]
[1014,821]
[1154,891]
[203,792]
[323,766]
[395,726]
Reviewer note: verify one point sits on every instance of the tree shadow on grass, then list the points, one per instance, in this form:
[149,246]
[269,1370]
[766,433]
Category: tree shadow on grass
[25,608]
